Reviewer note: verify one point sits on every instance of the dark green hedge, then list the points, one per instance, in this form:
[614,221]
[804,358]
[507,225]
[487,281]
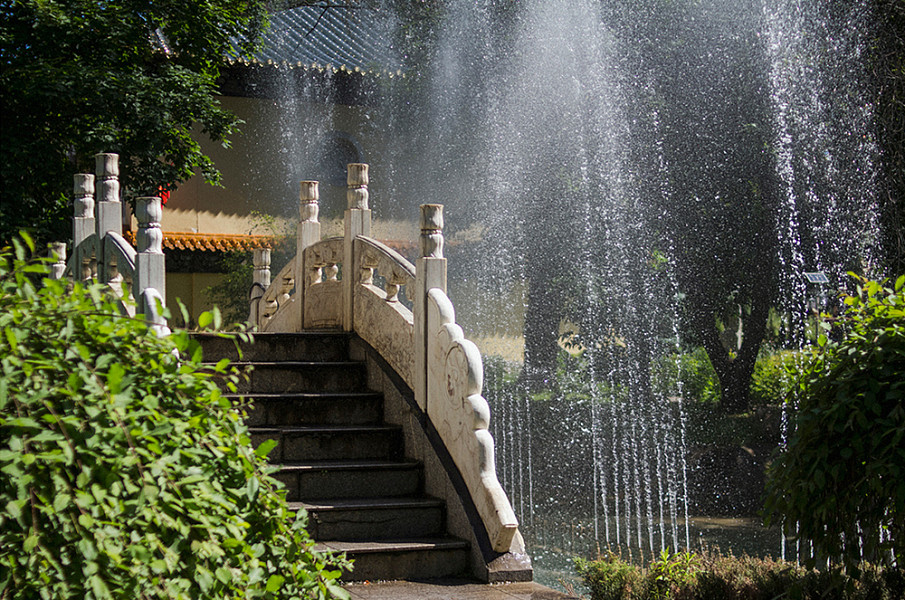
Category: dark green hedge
[840,483]
[714,576]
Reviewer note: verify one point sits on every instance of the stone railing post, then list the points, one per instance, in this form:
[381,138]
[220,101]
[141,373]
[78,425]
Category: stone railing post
[260,283]
[58,251]
[150,268]
[308,234]
[357,222]
[83,227]
[430,272]
[109,209]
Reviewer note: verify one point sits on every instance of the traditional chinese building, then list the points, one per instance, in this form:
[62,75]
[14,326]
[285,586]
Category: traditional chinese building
[309,105]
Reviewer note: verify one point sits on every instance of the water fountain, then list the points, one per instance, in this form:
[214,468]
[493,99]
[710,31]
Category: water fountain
[616,156]
[554,125]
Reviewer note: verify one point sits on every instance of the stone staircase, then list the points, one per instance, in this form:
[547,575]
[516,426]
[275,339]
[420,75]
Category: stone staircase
[338,458]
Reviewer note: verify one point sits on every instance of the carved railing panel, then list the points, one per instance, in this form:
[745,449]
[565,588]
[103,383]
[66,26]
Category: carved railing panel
[119,268]
[323,288]
[277,296]
[82,263]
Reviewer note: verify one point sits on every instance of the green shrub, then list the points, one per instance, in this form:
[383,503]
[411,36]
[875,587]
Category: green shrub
[124,473]
[713,576]
[231,293]
[671,572]
[775,377]
[611,578]
[693,371]
[841,481]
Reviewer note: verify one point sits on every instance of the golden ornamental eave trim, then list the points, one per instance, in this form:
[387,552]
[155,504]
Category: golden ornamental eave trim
[212,242]
[225,242]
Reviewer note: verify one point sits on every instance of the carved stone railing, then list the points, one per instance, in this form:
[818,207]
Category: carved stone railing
[357,284]
[101,253]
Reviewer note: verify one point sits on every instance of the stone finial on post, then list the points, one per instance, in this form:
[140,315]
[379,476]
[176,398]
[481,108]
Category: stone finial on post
[308,234]
[150,267]
[432,231]
[430,272]
[260,283]
[357,179]
[58,267]
[109,210]
[357,222]
[83,227]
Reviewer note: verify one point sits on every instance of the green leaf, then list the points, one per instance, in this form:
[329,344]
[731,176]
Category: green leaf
[23,423]
[274,582]
[115,377]
[86,520]
[99,587]
[204,578]
[251,490]
[205,319]
[265,447]
[224,575]
[11,338]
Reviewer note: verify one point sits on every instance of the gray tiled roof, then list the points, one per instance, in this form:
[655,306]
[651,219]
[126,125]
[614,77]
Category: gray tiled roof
[352,39]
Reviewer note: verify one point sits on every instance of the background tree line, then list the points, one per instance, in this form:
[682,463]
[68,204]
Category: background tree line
[696,80]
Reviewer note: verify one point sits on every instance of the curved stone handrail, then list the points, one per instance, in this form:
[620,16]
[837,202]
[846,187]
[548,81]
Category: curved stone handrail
[377,257]
[462,416]
[277,296]
[119,258]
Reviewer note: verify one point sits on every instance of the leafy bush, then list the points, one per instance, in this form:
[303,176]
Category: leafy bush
[713,576]
[611,578]
[775,377]
[231,293]
[693,371]
[672,571]
[841,481]
[124,473]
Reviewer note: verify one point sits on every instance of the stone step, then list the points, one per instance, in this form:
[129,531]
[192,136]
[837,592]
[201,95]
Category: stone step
[425,558]
[348,519]
[307,346]
[294,377]
[328,408]
[331,442]
[338,459]
[351,479]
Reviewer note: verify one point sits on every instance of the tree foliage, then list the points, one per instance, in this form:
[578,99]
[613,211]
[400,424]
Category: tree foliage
[887,64]
[133,77]
[841,480]
[701,92]
[124,472]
